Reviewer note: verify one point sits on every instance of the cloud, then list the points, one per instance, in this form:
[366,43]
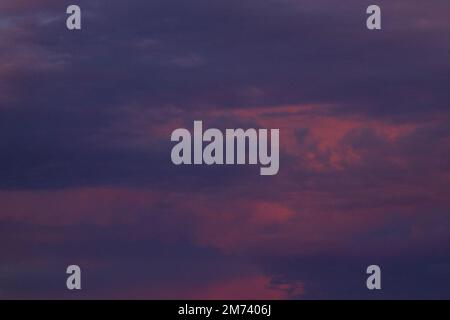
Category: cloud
[85,171]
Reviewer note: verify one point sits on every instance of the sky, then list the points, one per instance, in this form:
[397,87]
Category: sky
[86,176]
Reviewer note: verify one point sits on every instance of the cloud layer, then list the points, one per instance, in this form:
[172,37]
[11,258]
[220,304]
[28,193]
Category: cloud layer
[85,170]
